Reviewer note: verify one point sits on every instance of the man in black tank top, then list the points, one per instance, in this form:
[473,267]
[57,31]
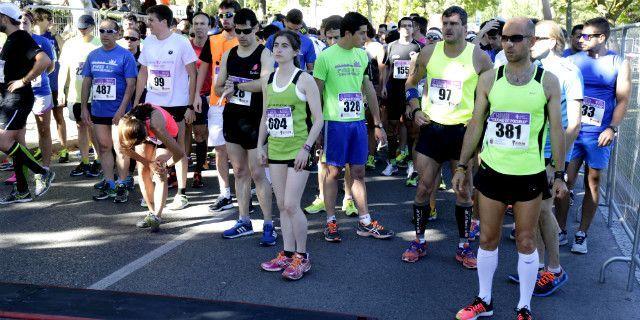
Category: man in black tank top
[239,83]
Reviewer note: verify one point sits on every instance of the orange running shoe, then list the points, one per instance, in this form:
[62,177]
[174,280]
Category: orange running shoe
[466,256]
[416,251]
[478,308]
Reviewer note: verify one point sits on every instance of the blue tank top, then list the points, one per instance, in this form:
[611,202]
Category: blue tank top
[600,77]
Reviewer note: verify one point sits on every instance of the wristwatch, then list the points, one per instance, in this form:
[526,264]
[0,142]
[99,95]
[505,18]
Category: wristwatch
[560,174]
[614,129]
[379,126]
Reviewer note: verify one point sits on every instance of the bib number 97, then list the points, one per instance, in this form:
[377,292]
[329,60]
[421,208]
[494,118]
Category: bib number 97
[444,94]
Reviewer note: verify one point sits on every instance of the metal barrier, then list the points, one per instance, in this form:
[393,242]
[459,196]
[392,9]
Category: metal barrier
[622,188]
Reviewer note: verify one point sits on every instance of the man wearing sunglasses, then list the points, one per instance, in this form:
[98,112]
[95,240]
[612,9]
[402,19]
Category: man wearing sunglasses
[72,58]
[451,68]
[168,72]
[109,78]
[307,56]
[607,85]
[238,81]
[209,59]
[513,103]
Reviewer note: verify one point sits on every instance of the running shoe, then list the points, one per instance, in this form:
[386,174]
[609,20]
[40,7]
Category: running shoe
[37,154]
[373,229]
[297,268]
[466,256]
[221,204]
[197,181]
[433,215]
[129,182]
[253,192]
[105,193]
[240,229]
[442,186]
[412,181]
[349,207]
[316,206]
[416,251]
[401,158]
[331,232]
[100,184]
[180,201]
[549,282]
[143,203]
[43,182]
[269,235]
[95,170]
[80,170]
[390,170]
[474,230]
[562,238]
[523,314]
[512,234]
[410,169]
[150,221]
[11,180]
[515,278]
[572,197]
[6,165]
[478,308]
[16,196]
[580,243]
[279,263]
[371,163]
[63,156]
[122,194]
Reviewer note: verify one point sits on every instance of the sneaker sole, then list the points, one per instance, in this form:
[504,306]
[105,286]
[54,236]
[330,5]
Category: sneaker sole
[120,201]
[178,208]
[578,251]
[313,211]
[48,185]
[268,244]
[332,240]
[369,234]
[484,314]
[271,270]
[18,201]
[227,207]
[246,233]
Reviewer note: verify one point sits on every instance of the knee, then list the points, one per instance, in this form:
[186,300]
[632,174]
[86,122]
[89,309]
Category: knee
[257,175]
[425,186]
[525,241]
[290,207]
[105,146]
[241,173]
[332,173]
[357,173]
[488,241]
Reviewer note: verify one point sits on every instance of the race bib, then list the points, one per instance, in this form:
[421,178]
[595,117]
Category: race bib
[240,97]
[592,111]
[401,69]
[104,89]
[79,69]
[1,71]
[160,81]
[445,92]
[37,82]
[509,130]
[216,71]
[280,122]
[351,104]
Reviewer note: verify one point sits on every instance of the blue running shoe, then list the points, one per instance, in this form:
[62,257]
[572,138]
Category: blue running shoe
[269,236]
[549,282]
[129,183]
[241,229]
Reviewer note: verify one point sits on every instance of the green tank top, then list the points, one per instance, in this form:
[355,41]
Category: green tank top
[288,119]
[451,85]
[515,134]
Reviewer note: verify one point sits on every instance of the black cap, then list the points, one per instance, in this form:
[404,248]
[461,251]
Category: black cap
[85,21]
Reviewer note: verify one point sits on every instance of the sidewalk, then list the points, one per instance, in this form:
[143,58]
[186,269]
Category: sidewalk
[32,137]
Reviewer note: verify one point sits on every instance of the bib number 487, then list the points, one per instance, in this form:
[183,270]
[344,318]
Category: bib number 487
[103,89]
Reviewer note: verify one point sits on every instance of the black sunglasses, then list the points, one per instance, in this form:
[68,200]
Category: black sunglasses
[516,38]
[226,15]
[108,31]
[542,38]
[244,31]
[131,38]
[588,37]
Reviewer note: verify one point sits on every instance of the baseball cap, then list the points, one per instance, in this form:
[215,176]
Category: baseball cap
[10,10]
[434,33]
[85,21]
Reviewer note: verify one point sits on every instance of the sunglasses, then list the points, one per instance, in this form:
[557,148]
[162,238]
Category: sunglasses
[131,38]
[244,31]
[542,38]
[516,38]
[588,37]
[108,31]
[226,15]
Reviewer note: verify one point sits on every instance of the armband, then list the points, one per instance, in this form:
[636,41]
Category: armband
[412,93]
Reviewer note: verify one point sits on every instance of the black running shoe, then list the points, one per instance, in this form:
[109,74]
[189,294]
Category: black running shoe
[80,170]
[221,204]
[95,170]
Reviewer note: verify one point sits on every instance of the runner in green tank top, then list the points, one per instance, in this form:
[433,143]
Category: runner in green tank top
[517,101]
[451,69]
[287,122]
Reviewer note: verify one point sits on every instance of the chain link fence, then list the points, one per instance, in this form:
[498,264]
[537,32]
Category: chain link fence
[622,188]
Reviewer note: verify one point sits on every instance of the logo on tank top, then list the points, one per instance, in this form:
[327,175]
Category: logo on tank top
[356,64]
[170,51]
[255,69]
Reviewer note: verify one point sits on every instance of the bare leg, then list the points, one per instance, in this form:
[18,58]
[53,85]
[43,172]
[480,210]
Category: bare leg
[44,132]
[263,187]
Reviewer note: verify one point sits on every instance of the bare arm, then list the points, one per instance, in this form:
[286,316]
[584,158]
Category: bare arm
[623,91]
[481,61]
[128,92]
[140,84]
[310,89]
[202,74]
[84,95]
[158,127]
[262,131]
[222,75]
[191,71]
[552,90]
[418,73]
[42,63]
[573,126]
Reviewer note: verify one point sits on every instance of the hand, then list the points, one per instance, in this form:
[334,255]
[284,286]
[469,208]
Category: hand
[262,156]
[15,85]
[492,24]
[197,105]
[606,137]
[559,189]
[62,99]
[159,169]
[458,181]
[383,92]
[381,135]
[189,116]
[301,160]
[163,158]
[86,118]
[116,117]
[421,118]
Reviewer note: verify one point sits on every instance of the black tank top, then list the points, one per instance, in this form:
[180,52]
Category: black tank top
[243,70]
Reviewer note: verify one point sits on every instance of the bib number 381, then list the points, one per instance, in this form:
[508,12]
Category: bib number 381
[280,122]
[351,104]
[509,130]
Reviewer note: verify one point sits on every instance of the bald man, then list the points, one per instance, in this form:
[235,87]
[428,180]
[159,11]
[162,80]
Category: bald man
[512,171]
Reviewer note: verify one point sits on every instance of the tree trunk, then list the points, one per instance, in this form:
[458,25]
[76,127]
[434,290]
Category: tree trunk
[546,10]
[369,11]
[263,5]
[569,15]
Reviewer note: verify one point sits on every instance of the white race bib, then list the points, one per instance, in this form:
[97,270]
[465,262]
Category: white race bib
[104,89]
[1,71]
[592,111]
[37,82]
[509,130]
[160,81]
[240,97]
[351,104]
[280,122]
[401,69]
[445,92]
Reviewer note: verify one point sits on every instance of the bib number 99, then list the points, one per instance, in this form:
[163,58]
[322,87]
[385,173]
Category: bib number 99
[158,82]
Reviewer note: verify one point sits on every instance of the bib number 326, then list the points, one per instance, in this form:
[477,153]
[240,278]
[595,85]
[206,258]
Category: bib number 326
[351,104]
[509,130]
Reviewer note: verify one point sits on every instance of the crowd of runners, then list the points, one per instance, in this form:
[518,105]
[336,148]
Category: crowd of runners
[515,110]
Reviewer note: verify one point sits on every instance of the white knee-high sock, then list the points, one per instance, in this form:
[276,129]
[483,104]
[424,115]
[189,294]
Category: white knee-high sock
[527,272]
[487,264]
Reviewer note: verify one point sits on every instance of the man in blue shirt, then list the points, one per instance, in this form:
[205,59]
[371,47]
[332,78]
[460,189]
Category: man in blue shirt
[110,74]
[307,56]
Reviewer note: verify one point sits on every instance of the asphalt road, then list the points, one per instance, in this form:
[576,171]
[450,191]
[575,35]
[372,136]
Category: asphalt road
[67,239]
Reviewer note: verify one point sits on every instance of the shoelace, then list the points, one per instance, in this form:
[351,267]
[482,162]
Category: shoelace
[580,239]
[280,257]
[523,315]
[545,278]
[297,261]
[332,226]
[476,307]
[376,226]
